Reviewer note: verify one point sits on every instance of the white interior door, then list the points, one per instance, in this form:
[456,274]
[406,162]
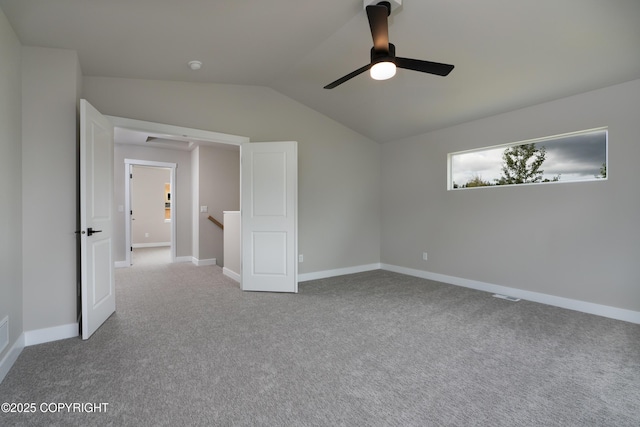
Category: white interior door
[96,216]
[269,211]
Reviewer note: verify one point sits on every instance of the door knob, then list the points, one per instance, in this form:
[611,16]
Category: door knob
[91,231]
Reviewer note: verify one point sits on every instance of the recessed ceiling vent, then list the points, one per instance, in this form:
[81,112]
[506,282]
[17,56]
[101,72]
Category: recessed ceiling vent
[169,142]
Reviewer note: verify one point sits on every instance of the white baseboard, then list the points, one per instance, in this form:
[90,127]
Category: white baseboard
[150,245]
[571,304]
[125,264]
[10,358]
[55,333]
[337,272]
[317,274]
[121,264]
[230,273]
[201,262]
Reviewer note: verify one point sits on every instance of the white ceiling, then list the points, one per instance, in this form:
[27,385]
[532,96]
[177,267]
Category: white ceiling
[508,53]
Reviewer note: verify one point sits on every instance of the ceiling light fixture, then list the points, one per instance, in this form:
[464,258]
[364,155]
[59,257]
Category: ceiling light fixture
[195,65]
[383,54]
[383,70]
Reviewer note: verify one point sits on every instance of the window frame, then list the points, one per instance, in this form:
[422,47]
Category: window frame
[450,156]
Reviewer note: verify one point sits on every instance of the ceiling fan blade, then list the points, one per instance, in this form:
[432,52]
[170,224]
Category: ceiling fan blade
[379,26]
[424,66]
[348,77]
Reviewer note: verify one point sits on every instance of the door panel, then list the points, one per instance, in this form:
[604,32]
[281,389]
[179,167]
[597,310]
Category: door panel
[269,216]
[269,252]
[98,297]
[268,184]
[102,275]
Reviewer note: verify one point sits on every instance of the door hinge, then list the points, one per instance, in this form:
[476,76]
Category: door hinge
[130,176]
[130,248]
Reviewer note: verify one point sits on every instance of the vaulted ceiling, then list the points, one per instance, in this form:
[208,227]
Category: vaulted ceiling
[507,54]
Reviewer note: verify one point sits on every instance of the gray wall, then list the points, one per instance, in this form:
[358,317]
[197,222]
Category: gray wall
[181,194]
[232,241]
[219,190]
[148,205]
[574,240]
[49,182]
[11,179]
[339,172]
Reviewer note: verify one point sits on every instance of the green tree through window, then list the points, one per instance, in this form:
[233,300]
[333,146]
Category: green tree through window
[522,164]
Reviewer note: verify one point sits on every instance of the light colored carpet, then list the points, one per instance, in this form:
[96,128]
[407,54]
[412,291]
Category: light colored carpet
[187,347]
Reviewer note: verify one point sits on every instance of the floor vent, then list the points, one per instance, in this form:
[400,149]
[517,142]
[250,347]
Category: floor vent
[507,297]
[4,333]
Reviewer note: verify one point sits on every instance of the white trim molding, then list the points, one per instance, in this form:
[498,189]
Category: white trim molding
[39,336]
[556,301]
[232,274]
[150,245]
[4,333]
[203,262]
[337,272]
[570,304]
[10,358]
[195,137]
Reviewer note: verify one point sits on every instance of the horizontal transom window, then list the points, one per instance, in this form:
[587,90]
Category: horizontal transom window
[570,157]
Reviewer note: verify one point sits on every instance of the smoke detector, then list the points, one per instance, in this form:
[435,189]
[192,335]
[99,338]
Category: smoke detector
[195,65]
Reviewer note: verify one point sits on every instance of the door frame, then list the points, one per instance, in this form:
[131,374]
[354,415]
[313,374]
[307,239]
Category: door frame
[178,133]
[129,163]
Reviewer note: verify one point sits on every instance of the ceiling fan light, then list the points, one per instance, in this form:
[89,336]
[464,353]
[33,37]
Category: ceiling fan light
[383,70]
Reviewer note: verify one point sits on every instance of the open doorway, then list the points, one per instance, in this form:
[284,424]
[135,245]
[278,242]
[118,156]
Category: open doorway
[149,208]
[205,182]
[150,193]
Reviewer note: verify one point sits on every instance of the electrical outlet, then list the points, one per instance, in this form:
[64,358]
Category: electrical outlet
[146,234]
[300,258]
[424,256]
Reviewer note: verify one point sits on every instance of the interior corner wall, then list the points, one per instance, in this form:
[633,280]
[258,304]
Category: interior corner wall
[575,240]
[219,190]
[11,303]
[49,183]
[338,169]
[181,193]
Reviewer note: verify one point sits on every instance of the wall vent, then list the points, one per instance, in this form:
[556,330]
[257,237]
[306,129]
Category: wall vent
[507,297]
[4,333]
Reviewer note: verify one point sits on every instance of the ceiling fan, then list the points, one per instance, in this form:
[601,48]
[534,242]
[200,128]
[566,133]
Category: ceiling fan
[383,54]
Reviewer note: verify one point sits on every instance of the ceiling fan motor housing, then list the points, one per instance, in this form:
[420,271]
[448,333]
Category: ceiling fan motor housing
[377,56]
[395,4]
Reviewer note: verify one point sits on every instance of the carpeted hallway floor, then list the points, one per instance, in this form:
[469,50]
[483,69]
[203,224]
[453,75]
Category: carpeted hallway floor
[187,347]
